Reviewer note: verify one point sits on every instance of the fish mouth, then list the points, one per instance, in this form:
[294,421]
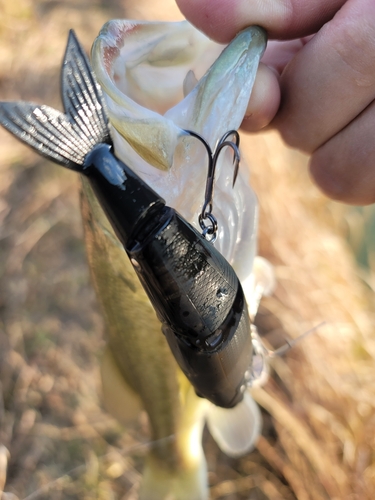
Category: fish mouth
[161,79]
[141,67]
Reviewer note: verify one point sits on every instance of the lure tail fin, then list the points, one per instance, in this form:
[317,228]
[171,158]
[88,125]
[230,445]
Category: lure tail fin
[82,95]
[63,138]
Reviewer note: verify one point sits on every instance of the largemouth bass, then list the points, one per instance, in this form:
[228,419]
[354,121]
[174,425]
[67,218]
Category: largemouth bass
[129,58]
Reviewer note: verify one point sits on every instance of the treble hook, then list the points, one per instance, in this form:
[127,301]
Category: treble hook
[206,213]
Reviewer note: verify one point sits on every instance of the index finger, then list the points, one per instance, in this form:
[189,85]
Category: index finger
[221,20]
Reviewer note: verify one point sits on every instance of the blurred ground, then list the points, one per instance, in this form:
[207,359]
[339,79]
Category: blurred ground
[62,444]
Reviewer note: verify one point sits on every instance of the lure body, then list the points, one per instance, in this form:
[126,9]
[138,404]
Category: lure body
[194,290]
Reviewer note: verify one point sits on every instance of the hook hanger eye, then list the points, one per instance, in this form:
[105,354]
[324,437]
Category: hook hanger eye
[206,219]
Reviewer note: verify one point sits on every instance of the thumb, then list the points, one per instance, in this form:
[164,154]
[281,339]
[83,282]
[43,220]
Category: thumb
[283,19]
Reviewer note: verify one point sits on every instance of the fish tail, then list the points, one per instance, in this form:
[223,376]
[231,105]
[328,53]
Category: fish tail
[160,482]
[177,469]
[65,138]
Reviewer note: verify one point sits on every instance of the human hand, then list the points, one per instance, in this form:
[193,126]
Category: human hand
[324,71]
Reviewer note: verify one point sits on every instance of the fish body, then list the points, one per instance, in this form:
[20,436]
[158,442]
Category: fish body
[176,466]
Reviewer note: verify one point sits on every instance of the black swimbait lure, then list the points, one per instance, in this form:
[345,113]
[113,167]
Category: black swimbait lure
[195,292]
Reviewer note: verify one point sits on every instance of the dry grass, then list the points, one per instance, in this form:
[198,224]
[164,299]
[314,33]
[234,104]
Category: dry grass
[318,440]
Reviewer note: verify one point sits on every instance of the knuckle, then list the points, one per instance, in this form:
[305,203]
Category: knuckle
[353,43]
[295,136]
[343,179]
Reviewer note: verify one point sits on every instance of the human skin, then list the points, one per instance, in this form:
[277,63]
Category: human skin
[317,85]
